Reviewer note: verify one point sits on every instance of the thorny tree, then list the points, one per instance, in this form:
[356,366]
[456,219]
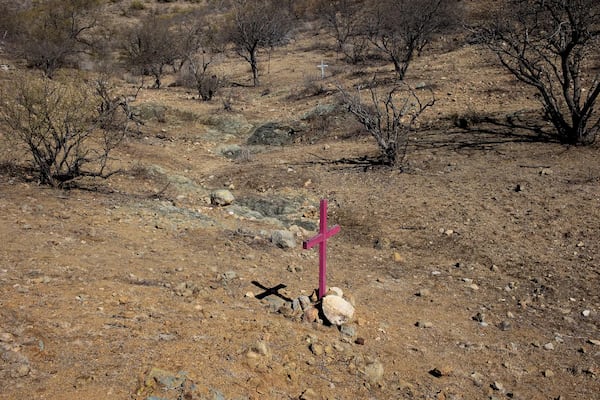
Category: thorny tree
[552,45]
[50,34]
[344,20]
[401,29]
[69,129]
[255,25]
[151,46]
[389,118]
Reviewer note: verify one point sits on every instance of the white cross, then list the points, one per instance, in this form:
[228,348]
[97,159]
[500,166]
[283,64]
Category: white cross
[322,66]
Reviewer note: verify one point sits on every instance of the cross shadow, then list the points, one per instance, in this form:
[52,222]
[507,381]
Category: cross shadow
[273,291]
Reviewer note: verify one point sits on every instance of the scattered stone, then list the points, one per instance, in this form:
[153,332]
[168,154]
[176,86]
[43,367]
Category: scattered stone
[166,380]
[382,243]
[586,313]
[309,394]
[497,386]
[274,303]
[448,232]
[442,371]
[594,342]
[249,294]
[479,317]
[474,287]
[546,171]
[316,349]
[229,276]
[504,325]
[398,258]
[304,302]
[21,370]
[288,311]
[348,330]
[222,197]
[548,373]
[477,379]
[424,293]
[232,151]
[424,324]
[6,337]
[295,268]
[549,346]
[283,239]
[360,341]
[337,310]
[261,348]
[374,372]
[311,314]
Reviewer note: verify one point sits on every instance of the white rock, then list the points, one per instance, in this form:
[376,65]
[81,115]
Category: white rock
[586,313]
[337,310]
[283,239]
[221,197]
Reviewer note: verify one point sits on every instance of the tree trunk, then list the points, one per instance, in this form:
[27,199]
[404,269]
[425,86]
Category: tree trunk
[254,66]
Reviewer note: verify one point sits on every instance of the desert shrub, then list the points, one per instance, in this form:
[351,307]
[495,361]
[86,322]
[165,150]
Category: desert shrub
[69,128]
[52,34]
[137,5]
[255,25]
[552,46]
[389,119]
[196,75]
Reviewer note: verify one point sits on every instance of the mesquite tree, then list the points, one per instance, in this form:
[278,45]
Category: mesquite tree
[400,29]
[389,118]
[68,128]
[254,25]
[552,45]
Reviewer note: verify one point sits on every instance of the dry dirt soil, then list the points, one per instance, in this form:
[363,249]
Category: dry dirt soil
[474,270]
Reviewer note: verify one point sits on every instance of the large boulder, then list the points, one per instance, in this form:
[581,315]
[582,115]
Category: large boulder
[272,134]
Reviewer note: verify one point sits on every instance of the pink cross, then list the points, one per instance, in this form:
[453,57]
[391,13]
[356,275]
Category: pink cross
[321,240]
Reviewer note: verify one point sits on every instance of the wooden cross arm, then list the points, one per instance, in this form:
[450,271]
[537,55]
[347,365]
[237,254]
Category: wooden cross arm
[321,237]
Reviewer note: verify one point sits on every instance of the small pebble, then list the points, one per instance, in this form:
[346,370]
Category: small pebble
[21,371]
[586,313]
[309,394]
[374,372]
[548,373]
[497,386]
[424,324]
[348,330]
[316,349]
[504,325]
[549,346]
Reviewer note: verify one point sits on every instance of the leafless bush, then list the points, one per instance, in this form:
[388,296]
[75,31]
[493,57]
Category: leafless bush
[150,47]
[345,22]
[551,45]
[51,34]
[389,118]
[401,29]
[68,128]
[254,25]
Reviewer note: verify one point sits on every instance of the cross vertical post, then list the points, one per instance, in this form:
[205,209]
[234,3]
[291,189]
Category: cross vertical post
[321,240]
